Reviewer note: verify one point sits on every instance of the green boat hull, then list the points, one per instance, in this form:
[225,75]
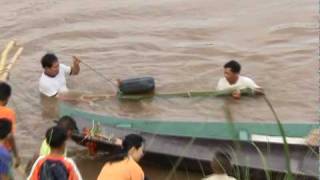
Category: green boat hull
[223,130]
[207,138]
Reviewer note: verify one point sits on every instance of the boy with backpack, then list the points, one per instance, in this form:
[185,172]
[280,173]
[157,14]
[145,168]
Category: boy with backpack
[55,166]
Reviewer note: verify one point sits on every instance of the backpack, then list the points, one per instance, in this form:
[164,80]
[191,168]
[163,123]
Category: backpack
[53,170]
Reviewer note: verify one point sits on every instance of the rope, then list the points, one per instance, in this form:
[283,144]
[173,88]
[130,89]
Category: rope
[101,75]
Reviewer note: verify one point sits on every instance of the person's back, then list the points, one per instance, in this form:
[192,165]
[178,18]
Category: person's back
[6,112]
[127,169]
[55,164]
[124,166]
[54,167]
[9,114]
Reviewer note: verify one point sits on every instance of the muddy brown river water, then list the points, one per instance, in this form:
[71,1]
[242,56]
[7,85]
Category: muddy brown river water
[182,44]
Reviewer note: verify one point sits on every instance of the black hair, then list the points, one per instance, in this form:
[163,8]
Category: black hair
[234,66]
[68,123]
[5,91]
[48,59]
[5,127]
[130,141]
[221,163]
[56,136]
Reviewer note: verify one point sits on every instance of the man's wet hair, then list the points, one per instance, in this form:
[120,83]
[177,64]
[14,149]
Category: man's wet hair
[48,60]
[5,128]
[5,91]
[221,163]
[68,123]
[234,66]
[56,136]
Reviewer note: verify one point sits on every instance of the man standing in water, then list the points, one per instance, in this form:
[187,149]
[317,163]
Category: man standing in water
[233,81]
[53,79]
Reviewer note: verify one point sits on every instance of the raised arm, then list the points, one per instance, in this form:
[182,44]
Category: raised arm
[75,69]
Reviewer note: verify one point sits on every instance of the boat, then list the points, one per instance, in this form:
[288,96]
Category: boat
[193,144]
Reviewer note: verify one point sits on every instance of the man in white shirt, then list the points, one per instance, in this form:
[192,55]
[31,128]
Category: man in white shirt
[53,79]
[232,80]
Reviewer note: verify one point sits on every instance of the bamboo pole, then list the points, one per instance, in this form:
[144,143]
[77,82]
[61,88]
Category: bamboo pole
[4,54]
[246,91]
[9,66]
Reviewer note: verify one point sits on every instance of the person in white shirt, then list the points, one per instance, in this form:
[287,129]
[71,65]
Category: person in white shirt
[234,81]
[53,79]
[221,167]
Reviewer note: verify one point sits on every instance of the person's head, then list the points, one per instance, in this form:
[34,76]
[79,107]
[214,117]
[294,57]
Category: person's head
[134,145]
[69,124]
[232,70]
[5,93]
[56,138]
[50,64]
[221,163]
[5,128]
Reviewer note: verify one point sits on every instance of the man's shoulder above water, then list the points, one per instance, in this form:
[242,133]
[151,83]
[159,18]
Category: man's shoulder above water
[242,82]
[241,78]
[63,70]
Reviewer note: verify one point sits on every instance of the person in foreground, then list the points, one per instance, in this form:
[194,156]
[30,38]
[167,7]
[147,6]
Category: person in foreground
[5,156]
[232,80]
[124,166]
[53,79]
[221,165]
[9,114]
[55,165]
[65,122]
